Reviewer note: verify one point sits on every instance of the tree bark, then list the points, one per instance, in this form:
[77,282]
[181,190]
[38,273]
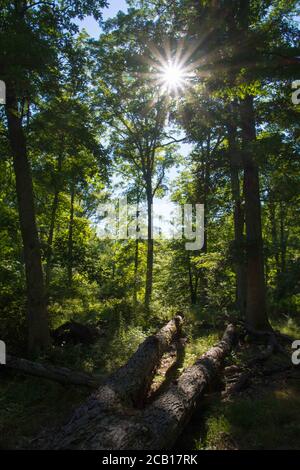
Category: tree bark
[193,289]
[70,238]
[38,329]
[150,248]
[272,210]
[136,267]
[136,257]
[283,237]
[238,215]
[256,311]
[107,424]
[62,375]
[164,420]
[50,241]
[52,223]
[202,194]
[92,425]
[132,381]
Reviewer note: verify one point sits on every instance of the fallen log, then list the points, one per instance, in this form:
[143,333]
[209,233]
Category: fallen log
[162,422]
[106,422]
[62,375]
[130,381]
[120,392]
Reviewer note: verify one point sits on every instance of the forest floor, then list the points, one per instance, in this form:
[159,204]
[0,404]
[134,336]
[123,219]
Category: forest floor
[253,406]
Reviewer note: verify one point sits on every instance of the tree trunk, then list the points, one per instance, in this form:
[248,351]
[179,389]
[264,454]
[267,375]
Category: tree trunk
[136,256]
[50,240]
[70,238]
[58,374]
[149,271]
[38,329]
[202,194]
[283,238]
[163,421]
[193,290]
[256,313]
[102,423]
[92,425]
[272,208]
[238,217]
[136,268]
[52,224]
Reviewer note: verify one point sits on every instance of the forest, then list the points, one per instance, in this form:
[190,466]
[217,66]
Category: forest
[149,224]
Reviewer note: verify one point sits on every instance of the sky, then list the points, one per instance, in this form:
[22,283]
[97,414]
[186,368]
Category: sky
[90,24]
[93,29]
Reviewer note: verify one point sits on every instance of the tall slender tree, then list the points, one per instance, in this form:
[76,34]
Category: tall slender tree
[27,72]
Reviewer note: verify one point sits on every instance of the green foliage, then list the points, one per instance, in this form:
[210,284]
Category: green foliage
[124,343]
[97,126]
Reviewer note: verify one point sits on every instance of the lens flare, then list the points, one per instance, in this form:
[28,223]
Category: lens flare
[172,77]
[172,70]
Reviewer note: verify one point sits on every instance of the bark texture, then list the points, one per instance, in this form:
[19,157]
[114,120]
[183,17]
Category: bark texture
[163,421]
[238,214]
[93,424]
[108,420]
[70,238]
[256,310]
[38,329]
[62,375]
[150,248]
[55,203]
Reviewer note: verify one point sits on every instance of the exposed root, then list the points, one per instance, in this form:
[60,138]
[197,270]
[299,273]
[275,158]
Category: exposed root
[273,345]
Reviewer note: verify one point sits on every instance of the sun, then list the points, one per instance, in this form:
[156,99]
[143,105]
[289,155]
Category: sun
[171,70]
[172,77]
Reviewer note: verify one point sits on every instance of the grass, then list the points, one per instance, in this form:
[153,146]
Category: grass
[198,346]
[28,404]
[202,334]
[289,326]
[267,418]
[269,422]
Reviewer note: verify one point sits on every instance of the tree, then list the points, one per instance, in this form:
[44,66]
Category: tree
[244,43]
[44,27]
[138,121]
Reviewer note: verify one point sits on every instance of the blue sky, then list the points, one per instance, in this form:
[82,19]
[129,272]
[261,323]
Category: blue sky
[90,24]
[114,7]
